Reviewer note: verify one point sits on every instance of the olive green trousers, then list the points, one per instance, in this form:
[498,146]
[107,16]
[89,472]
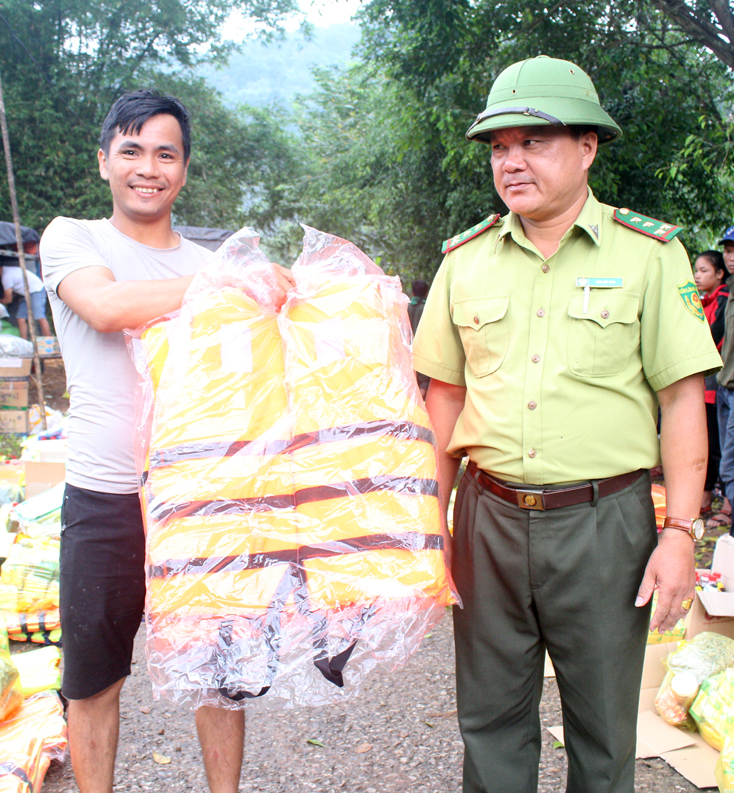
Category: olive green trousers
[566,580]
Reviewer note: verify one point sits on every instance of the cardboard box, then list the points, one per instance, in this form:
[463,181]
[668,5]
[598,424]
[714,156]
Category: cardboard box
[51,451]
[14,421]
[15,367]
[47,345]
[686,752]
[723,561]
[42,476]
[711,611]
[695,760]
[14,392]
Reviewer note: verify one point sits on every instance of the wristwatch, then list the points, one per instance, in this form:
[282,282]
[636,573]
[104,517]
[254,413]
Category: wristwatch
[694,527]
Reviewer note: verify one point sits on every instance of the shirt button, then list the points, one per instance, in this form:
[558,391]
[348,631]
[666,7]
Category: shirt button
[540,312]
[532,453]
[545,268]
[535,359]
[476,320]
[532,405]
[605,314]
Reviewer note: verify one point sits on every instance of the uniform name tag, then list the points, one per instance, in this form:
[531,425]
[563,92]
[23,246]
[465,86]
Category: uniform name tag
[595,283]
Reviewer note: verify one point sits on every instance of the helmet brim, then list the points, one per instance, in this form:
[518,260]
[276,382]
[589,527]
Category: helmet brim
[536,111]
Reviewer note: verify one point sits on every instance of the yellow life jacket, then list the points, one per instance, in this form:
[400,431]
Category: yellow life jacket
[289,492]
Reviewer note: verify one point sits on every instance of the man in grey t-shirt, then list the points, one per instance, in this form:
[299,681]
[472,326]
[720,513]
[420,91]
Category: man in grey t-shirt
[103,276]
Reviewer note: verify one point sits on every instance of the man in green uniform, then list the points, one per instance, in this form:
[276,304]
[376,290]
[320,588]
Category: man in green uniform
[551,335]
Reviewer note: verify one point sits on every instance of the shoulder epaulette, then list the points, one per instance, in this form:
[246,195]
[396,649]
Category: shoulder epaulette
[469,234]
[653,228]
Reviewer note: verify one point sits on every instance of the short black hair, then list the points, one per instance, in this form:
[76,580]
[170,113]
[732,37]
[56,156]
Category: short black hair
[578,130]
[420,288]
[716,259]
[133,109]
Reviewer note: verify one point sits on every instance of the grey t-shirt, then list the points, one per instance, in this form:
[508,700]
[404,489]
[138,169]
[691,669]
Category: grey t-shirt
[100,375]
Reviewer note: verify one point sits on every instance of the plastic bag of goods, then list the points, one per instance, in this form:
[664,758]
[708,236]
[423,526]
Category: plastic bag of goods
[675,697]
[11,693]
[29,740]
[14,347]
[691,664]
[724,770]
[713,708]
[294,539]
[29,577]
[40,516]
[39,670]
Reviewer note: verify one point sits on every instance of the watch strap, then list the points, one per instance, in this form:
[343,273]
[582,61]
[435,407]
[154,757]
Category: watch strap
[682,524]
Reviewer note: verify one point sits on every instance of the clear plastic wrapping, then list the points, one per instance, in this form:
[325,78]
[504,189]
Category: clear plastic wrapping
[705,655]
[40,627]
[40,516]
[294,539]
[29,577]
[713,708]
[688,667]
[39,670]
[724,770]
[30,739]
[11,693]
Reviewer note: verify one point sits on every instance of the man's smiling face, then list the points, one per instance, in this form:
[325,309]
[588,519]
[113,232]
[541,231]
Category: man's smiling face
[146,170]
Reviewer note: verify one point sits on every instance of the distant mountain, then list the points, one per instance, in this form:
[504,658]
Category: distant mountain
[264,73]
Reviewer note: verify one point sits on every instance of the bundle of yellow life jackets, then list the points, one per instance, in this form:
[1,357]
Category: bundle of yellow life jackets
[32,737]
[29,579]
[289,488]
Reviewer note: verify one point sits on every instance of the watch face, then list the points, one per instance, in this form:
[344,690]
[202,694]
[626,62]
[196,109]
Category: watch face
[697,528]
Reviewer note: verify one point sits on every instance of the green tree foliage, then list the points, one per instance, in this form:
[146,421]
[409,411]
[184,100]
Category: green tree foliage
[709,22]
[376,170]
[433,62]
[64,62]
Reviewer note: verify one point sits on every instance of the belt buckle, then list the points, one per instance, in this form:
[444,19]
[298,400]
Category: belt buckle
[530,499]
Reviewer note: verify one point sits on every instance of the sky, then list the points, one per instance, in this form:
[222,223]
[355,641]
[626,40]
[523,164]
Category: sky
[320,13]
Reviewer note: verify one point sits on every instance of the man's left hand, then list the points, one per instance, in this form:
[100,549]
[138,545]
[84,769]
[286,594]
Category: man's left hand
[286,281]
[670,570]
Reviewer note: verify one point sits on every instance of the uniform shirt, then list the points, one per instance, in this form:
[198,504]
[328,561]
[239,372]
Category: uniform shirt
[554,394]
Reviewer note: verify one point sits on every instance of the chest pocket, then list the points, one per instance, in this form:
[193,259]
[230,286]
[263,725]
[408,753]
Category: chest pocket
[601,342]
[484,329]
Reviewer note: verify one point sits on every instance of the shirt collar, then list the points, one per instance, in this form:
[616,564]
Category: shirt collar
[589,221]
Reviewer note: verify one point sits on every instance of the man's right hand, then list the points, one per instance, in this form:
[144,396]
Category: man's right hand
[110,306]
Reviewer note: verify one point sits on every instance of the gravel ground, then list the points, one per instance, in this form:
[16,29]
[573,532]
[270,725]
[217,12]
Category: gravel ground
[400,737]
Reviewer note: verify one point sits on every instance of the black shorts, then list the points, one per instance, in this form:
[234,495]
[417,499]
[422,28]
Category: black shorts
[102,587]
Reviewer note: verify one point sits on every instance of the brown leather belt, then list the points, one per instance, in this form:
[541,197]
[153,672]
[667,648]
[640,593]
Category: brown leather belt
[532,497]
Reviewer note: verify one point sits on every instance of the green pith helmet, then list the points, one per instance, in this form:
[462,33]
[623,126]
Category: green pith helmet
[543,91]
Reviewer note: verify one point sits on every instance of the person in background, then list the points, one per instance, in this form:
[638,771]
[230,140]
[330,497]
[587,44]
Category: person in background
[709,275]
[12,278]
[415,312]
[725,380]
